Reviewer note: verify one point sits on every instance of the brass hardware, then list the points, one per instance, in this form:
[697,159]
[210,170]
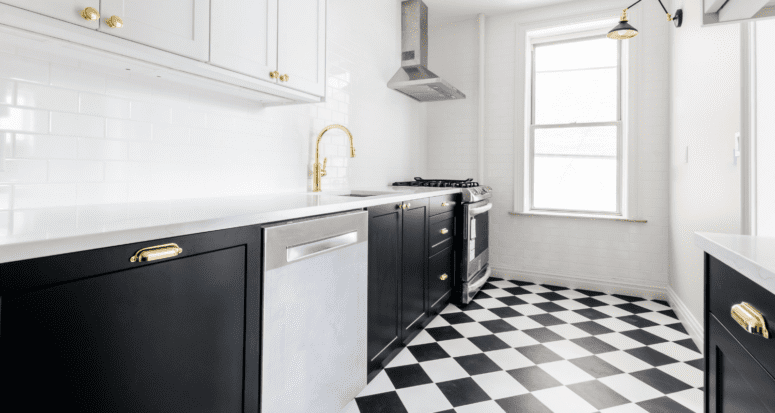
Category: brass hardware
[444,231]
[444,277]
[399,206]
[669,17]
[444,204]
[274,75]
[319,172]
[750,319]
[408,206]
[403,206]
[284,78]
[115,22]
[90,13]
[156,253]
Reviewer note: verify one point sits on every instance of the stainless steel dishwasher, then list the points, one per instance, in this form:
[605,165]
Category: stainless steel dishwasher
[314,313]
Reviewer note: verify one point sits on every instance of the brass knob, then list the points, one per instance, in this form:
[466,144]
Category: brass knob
[444,277]
[444,231]
[274,75]
[115,22]
[444,204]
[90,13]
[284,78]
[407,206]
[399,206]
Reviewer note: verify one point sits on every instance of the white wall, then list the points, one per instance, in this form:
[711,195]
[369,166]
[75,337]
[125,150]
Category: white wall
[765,123]
[572,251]
[704,115]
[75,134]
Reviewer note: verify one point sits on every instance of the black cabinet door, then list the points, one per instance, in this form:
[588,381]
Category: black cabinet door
[441,271]
[384,317]
[735,381]
[415,256]
[170,335]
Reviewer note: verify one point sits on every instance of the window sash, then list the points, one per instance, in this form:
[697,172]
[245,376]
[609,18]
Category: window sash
[619,134]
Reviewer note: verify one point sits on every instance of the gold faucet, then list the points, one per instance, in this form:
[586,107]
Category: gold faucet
[318,170]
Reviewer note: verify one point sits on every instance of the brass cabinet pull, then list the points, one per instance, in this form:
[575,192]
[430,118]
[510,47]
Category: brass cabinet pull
[115,22]
[444,231]
[285,78]
[444,277]
[156,253]
[274,75]
[399,206]
[445,204]
[750,319]
[90,13]
[407,206]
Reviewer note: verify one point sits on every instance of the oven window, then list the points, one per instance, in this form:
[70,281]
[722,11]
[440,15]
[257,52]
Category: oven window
[482,232]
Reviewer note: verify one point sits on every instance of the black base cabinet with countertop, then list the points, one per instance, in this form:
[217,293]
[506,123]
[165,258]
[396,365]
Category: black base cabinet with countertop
[739,366]
[93,332]
[409,278]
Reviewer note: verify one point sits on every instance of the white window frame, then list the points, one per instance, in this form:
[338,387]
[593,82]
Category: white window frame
[620,123]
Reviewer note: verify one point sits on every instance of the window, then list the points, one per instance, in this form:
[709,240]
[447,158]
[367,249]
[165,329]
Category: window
[575,157]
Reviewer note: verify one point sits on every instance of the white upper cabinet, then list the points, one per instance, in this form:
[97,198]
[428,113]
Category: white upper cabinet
[247,47]
[301,52]
[65,10]
[178,26]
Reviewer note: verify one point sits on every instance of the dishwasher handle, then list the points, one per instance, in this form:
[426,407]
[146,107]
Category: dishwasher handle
[319,247]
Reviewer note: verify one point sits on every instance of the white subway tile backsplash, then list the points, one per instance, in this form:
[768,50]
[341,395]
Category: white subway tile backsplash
[5,197]
[7,92]
[129,130]
[77,78]
[22,68]
[101,193]
[23,120]
[44,196]
[46,97]
[106,106]
[75,171]
[101,149]
[71,124]
[24,170]
[44,147]
[151,112]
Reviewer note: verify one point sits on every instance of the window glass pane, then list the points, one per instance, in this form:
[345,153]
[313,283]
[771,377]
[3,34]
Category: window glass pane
[576,96]
[583,54]
[575,184]
[589,141]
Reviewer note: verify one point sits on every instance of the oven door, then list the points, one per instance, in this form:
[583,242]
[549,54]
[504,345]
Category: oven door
[476,231]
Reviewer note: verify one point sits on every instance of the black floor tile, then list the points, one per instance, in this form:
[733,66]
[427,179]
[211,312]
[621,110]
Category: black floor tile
[462,392]
[677,327]
[539,354]
[517,291]
[428,352]
[663,405]
[594,345]
[457,318]
[521,283]
[592,314]
[661,381]
[511,300]
[470,306]
[643,337]
[669,313]
[598,394]
[498,326]
[481,295]
[523,404]
[698,364]
[633,308]
[381,403]
[534,378]
[505,312]
[554,287]
[550,307]
[552,296]
[543,335]
[665,303]
[489,343]
[651,356]
[596,367]
[591,293]
[591,327]
[488,286]
[688,343]
[546,320]
[477,364]
[638,321]
[443,333]
[408,376]
[628,298]
[591,302]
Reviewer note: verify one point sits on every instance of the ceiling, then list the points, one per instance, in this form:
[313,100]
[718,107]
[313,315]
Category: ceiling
[444,11]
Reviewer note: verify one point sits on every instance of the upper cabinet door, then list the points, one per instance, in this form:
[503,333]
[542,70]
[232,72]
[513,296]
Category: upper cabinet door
[302,45]
[178,26]
[243,36]
[66,10]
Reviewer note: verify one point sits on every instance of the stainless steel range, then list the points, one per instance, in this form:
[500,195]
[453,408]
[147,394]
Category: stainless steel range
[473,246]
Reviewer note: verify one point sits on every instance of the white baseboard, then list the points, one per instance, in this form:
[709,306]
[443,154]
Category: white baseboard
[604,285]
[694,327]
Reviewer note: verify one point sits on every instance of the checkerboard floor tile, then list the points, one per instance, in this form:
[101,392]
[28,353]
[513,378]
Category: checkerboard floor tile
[522,347]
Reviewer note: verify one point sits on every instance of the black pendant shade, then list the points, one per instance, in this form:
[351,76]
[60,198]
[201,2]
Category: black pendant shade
[623,31]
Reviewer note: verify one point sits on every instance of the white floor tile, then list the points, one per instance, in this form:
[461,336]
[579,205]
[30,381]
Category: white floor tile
[536,289]
[471,329]
[612,311]
[631,388]
[677,351]
[528,309]
[659,318]
[625,362]
[451,308]
[685,373]
[566,372]
[692,399]
[523,323]
[483,407]
[572,294]
[403,358]
[509,359]
[459,347]
[571,304]
[380,384]
[490,303]
[619,341]
[443,370]
[568,331]
[498,293]
[422,338]
[563,400]
[499,385]
[437,322]
[570,316]
[482,315]
[351,407]
[667,333]
[423,399]
[533,298]
[567,349]
[615,324]
[652,305]
[610,300]
[517,339]
[503,284]
[625,408]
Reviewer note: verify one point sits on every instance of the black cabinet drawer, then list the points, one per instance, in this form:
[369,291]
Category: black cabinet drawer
[735,381]
[442,232]
[441,269]
[727,287]
[444,203]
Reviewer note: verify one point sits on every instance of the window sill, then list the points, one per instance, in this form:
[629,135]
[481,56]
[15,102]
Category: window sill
[578,216]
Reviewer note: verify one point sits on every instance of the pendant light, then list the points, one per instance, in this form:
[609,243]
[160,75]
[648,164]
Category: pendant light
[624,29]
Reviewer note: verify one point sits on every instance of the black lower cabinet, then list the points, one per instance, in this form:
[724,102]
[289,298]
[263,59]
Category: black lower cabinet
[94,332]
[441,271]
[414,262]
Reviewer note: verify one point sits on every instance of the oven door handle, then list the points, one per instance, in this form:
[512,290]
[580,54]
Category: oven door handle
[478,211]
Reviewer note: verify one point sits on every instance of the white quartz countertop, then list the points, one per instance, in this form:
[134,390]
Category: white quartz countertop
[53,231]
[751,256]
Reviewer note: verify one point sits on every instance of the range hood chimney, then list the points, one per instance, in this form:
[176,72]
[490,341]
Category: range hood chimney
[414,79]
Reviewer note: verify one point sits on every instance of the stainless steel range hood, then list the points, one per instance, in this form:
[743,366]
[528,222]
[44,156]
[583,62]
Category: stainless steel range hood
[414,79]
